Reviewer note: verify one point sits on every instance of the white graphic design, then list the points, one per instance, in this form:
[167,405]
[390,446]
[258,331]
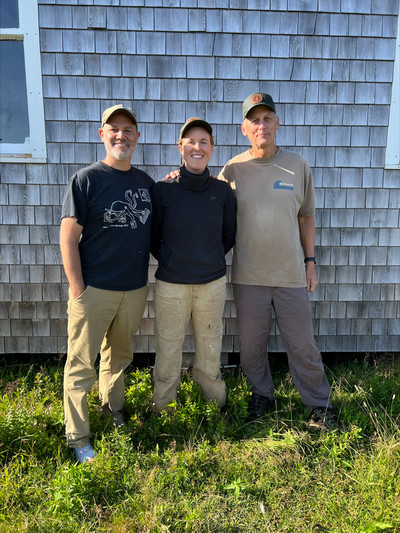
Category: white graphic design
[121,212]
[144,195]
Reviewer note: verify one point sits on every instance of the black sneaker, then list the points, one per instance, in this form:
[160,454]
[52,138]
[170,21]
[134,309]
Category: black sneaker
[259,406]
[118,419]
[323,418]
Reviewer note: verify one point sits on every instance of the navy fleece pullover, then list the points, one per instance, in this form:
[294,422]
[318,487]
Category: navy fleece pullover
[194,226]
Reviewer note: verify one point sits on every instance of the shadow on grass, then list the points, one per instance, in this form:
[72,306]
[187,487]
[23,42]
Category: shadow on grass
[364,396]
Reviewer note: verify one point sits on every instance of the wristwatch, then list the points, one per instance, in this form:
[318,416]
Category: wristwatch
[307,259]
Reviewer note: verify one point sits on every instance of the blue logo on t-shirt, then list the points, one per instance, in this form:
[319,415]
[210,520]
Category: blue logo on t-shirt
[282,185]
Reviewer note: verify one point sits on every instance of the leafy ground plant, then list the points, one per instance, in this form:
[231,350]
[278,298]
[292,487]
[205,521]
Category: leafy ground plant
[196,469]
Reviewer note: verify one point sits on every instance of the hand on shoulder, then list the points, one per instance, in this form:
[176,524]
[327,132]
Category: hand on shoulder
[174,174]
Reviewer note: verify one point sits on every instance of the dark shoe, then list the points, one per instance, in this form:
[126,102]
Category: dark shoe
[118,419]
[259,406]
[323,418]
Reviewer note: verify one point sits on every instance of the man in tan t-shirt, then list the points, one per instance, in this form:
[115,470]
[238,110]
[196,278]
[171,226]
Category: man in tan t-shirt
[273,262]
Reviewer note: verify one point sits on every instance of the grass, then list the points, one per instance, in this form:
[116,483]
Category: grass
[198,470]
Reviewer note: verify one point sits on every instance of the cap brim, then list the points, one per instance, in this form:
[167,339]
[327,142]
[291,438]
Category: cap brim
[196,124]
[124,112]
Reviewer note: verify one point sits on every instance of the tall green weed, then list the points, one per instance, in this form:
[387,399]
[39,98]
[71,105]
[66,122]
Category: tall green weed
[198,469]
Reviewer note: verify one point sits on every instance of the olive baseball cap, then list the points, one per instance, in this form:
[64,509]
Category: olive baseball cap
[192,123]
[256,99]
[119,108]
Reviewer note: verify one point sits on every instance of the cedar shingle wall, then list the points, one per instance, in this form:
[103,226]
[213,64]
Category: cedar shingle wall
[329,68]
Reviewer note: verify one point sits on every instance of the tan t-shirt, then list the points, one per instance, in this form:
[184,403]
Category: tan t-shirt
[271,194]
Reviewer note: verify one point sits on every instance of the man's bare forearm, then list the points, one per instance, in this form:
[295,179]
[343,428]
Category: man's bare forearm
[70,232]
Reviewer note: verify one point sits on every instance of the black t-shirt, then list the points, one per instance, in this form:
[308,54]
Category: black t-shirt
[114,208]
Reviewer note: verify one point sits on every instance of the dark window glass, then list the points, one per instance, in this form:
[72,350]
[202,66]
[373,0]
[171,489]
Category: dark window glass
[9,17]
[14,121]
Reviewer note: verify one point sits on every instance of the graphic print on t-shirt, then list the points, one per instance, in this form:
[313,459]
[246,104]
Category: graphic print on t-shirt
[283,185]
[122,213]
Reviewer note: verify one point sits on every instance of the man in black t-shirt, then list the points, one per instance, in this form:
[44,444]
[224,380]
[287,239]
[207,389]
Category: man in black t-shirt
[105,241]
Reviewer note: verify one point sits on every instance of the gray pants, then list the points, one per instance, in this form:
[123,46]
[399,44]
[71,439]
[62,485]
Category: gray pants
[293,313]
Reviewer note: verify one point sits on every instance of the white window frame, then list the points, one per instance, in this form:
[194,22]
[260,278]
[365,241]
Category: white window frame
[34,148]
[393,139]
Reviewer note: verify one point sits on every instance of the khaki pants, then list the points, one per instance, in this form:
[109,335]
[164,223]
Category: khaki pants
[98,321]
[175,304]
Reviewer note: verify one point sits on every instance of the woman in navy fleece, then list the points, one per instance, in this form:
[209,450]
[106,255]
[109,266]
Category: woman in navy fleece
[194,225]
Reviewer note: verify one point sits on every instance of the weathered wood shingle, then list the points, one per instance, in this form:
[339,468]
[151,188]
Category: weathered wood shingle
[329,67]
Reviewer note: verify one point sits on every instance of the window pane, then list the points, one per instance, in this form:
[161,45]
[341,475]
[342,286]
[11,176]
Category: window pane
[9,14]
[14,121]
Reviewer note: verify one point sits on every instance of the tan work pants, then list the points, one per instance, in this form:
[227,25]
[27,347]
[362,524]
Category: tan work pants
[175,304]
[98,321]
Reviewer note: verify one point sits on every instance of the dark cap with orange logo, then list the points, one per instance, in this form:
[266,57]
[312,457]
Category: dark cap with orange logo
[256,99]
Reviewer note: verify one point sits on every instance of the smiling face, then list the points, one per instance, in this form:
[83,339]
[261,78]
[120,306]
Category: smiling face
[120,137]
[260,126]
[196,148]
